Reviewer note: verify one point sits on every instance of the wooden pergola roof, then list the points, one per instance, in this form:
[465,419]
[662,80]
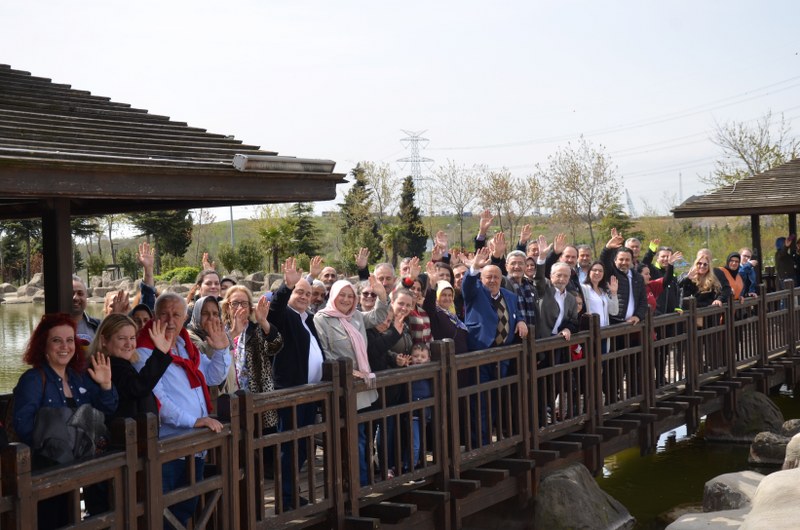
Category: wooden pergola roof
[65,152]
[768,193]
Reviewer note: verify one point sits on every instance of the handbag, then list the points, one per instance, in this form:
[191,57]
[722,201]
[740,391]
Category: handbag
[63,435]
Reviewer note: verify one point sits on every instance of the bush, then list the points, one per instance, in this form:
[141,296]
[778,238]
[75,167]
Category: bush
[95,265]
[249,256]
[126,259]
[180,274]
[228,257]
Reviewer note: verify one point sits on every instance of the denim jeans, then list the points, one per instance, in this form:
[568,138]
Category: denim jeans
[175,475]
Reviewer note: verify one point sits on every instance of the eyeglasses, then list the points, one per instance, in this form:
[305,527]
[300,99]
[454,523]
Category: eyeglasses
[366,294]
[701,264]
[240,304]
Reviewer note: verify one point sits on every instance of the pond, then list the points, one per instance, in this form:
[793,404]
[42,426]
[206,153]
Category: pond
[653,484]
[17,322]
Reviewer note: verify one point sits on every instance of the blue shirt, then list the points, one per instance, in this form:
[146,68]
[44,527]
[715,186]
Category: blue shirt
[180,404]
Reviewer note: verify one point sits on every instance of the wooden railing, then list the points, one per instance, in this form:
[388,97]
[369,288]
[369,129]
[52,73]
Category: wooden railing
[490,413]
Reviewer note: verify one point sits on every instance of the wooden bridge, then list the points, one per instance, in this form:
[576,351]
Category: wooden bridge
[537,416]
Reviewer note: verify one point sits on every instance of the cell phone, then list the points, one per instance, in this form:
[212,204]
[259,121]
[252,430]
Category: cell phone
[268,296]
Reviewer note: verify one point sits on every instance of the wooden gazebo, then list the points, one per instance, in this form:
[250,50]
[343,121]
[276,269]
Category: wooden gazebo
[65,152]
[772,192]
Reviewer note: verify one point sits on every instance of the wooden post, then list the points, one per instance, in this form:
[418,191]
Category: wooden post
[791,336]
[792,223]
[730,338]
[755,227]
[57,251]
[147,432]
[228,411]
[16,480]
[350,435]
[441,353]
[333,453]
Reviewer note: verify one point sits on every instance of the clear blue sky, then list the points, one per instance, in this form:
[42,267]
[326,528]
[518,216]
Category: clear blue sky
[501,83]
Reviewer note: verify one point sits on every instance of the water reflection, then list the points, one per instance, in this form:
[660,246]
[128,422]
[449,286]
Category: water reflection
[17,323]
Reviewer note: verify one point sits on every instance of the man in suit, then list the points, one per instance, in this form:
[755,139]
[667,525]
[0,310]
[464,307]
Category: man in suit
[618,261]
[492,319]
[298,363]
[558,309]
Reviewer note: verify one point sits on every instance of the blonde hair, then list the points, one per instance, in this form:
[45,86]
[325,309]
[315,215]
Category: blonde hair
[707,282]
[110,325]
[226,314]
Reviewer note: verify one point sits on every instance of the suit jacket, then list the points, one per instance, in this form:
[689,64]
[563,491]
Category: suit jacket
[640,307]
[549,308]
[574,285]
[481,317]
[290,367]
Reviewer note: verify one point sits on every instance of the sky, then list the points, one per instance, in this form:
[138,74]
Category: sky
[504,84]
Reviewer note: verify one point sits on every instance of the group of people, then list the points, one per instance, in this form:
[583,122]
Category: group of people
[172,355]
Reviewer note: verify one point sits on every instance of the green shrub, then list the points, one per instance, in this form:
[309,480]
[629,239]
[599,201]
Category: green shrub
[180,274]
[95,264]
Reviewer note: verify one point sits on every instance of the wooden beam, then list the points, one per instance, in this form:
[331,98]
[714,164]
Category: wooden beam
[57,251]
[361,523]
[461,488]
[389,511]
[755,229]
[487,476]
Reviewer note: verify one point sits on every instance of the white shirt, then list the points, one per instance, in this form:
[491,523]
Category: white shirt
[560,298]
[314,350]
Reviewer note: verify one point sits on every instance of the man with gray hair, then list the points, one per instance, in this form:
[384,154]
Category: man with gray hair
[182,392]
[523,287]
[635,246]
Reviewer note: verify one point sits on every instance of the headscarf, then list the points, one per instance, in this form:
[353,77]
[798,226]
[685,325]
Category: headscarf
[356,338]
[733,255]
[441,285]
[195,325]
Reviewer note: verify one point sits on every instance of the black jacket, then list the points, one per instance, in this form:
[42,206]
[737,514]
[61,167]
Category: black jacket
[290,367]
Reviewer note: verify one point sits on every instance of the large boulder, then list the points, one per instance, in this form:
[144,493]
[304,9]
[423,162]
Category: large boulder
[27,290]
[252,284]
[571,498]
[768,448]
[754,413]
[37,280]
[775,505]
[730,491]
[725,520]
[256,277]
[790,427]
[95,282]
[7,288]
[100,292]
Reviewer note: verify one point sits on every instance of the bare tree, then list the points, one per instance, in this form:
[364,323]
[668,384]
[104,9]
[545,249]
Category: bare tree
[456,187]
[384,184]
[509,198]
[203,217]
[582,184]
[751,149]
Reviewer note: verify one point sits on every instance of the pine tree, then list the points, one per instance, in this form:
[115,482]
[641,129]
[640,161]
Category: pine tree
[413,240]
[304,230]
[358,225]
[171,231]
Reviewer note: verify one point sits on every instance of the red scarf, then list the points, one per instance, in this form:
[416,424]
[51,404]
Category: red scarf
[191,365]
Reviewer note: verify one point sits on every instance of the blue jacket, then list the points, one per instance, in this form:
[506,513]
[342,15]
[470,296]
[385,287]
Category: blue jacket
[31,393]
[481,317]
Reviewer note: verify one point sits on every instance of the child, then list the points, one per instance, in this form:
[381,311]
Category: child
[420,390]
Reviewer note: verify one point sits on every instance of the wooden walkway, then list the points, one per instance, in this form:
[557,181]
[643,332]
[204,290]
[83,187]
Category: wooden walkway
[499,418]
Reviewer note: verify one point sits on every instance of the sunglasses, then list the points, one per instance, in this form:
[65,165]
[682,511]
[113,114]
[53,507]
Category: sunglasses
[369,295]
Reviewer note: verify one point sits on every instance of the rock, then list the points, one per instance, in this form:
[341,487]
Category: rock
[27,290]
[570,498]
[38,298]
[256,277]
[792,459]
[251,284]
[768,448]
[95,281]
[727,520]
[7,288]
[37,280]
[775,505]
[676,512]
[755,413]
[101,292]
[730,491]
[790,428]
[273,281]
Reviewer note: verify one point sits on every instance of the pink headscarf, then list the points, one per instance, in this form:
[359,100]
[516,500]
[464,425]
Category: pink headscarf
[356,338]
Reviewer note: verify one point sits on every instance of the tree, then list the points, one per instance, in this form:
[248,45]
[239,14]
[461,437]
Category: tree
[250,257]
[391,238]
[750,149]
[582,185]
[275,232]
[304,231]
[85,228]
[171,231]
[109,222]
[203,218]
[383,182]
[227,257]
[457,187]
[413,239]
[29,233]
[126,259]
[509,198]
[357,222]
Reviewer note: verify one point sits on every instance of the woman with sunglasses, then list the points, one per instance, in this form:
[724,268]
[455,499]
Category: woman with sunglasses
[701,282]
